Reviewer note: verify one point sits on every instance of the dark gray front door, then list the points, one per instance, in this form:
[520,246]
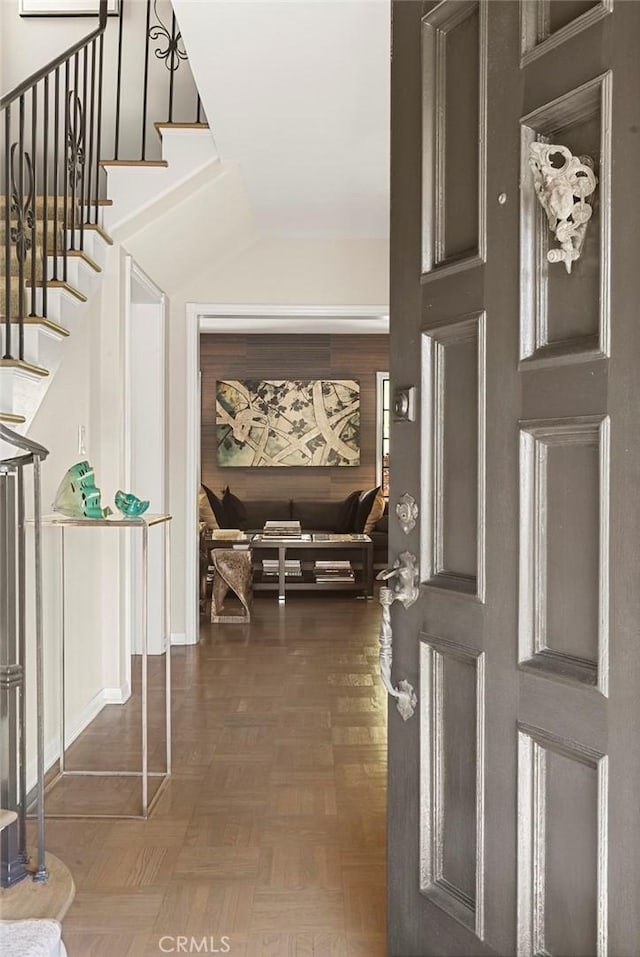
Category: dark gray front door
[514,795]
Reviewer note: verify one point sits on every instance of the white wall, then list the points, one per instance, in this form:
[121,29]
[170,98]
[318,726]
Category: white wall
[27,43]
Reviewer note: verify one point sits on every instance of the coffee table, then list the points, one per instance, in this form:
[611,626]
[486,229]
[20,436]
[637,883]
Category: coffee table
[331,544]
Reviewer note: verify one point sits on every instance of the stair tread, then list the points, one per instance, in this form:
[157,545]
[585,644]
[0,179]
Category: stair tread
[39,321]
[71,254]
[81,254]
[14,267]
[142,163]
[59,201]
[61,284]
[100,231]
[21,364]
[159,127]
[50,284]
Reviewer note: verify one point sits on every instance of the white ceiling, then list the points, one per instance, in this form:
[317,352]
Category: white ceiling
[297,93]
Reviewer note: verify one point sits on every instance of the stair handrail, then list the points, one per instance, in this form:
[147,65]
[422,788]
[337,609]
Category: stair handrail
[21,442]
[40,74]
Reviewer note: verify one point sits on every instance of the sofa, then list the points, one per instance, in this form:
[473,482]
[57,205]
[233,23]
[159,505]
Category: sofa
[361,511]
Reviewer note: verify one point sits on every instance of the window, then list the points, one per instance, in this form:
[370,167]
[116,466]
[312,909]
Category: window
[383,419]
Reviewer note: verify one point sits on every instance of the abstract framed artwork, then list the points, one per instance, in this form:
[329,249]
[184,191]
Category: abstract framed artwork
[278,422]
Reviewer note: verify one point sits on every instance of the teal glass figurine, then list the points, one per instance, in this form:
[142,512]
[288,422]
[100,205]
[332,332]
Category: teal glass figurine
[77,495]
[129,505]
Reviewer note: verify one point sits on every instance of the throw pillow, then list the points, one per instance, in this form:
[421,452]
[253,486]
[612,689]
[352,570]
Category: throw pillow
[206,514]
[366,502]
[216,506]
[376,513]
[235,512]
[347,514]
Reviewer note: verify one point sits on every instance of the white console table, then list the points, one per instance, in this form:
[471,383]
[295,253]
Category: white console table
[142,525]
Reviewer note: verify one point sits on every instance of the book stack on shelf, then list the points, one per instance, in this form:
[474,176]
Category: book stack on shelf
[333,571]
[282,530]
[292,568]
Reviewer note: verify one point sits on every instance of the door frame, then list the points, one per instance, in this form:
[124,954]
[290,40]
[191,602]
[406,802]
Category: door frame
[136,279]
[258,320]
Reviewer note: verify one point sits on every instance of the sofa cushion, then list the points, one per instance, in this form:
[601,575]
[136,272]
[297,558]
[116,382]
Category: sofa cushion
[376,513]
[235,512]
[269,510]
[348,512]
[322,516]
[366,503]
[206,515]
[211,508]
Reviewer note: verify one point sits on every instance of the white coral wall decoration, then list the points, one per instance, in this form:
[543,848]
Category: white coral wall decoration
[562,183]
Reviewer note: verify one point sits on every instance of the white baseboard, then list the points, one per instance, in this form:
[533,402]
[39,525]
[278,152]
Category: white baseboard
[180,638]
[117,695]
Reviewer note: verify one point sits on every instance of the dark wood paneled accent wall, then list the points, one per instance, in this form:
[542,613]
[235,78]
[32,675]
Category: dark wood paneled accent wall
[292,357]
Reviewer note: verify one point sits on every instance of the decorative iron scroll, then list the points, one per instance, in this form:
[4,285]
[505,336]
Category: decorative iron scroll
[75,140]
[174,51]
[562,188]
[22,206]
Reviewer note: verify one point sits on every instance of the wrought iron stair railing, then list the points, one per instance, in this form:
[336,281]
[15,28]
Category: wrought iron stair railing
[50,169]
[57,127]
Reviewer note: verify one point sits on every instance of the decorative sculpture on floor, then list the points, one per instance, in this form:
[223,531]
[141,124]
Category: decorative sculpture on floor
[562,183]
[78,496]
[231,570]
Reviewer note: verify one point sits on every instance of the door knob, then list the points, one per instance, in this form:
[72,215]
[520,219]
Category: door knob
[403,586]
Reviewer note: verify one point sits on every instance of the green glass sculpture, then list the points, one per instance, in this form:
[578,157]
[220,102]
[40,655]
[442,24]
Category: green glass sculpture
[130,505]
[77,495]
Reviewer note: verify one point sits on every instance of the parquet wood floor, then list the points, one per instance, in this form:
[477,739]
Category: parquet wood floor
[271,832]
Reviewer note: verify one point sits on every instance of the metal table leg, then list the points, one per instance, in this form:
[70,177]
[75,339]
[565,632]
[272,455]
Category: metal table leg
[167,632]
[145,648]
[281,576]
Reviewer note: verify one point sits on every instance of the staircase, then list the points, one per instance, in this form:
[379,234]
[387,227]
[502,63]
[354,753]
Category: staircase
[40,322]
[61,199]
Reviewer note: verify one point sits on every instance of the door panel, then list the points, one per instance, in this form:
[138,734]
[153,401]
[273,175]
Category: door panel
[564,591]
[453,194]
[562,865]
[513,825]
[460,135]
[550,23]
[453,465]
[452,779]
[561,320]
